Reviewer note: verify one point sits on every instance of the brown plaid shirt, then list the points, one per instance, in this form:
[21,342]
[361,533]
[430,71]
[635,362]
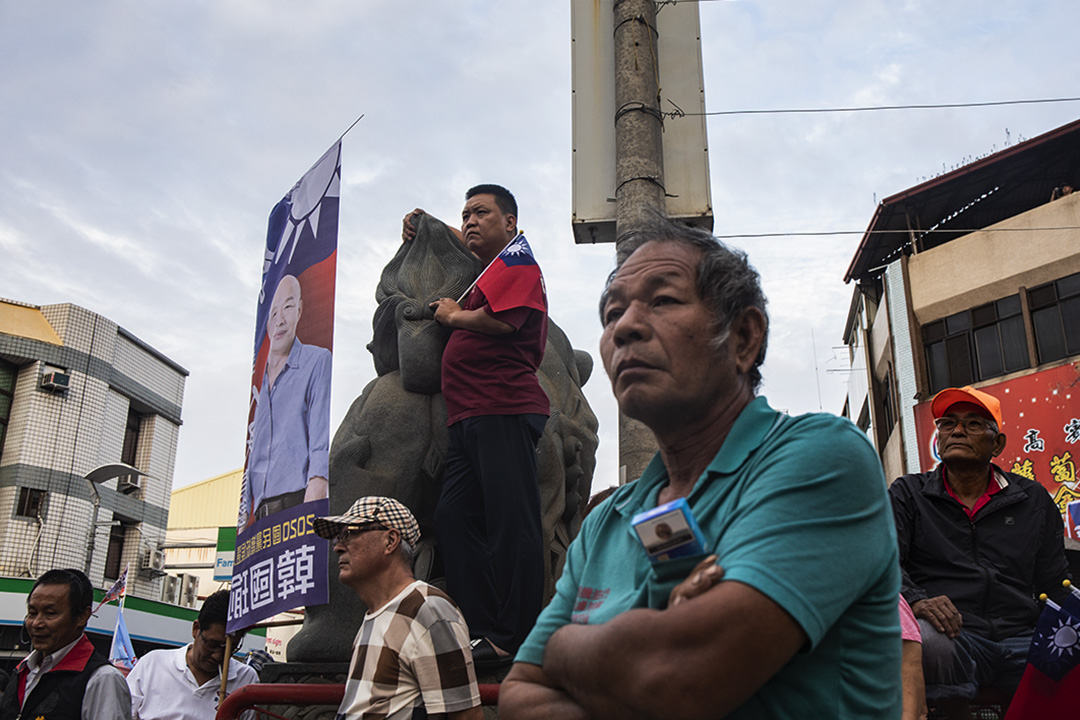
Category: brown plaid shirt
[411,653]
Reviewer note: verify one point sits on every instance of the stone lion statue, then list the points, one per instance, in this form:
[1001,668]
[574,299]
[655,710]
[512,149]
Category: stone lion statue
[393,439]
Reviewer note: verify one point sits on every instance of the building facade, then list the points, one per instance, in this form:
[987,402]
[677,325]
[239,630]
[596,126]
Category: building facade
[973,278]
[77,392]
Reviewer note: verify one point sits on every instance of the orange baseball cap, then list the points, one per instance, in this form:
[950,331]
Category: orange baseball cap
[950,396]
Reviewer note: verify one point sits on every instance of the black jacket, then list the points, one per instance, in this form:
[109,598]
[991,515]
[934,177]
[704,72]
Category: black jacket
[58,694]
[992,568]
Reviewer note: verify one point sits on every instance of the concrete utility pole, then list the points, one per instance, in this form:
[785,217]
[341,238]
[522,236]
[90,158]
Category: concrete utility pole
[639,166]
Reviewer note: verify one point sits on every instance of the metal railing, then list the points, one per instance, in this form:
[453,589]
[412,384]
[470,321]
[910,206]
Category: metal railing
[247,697]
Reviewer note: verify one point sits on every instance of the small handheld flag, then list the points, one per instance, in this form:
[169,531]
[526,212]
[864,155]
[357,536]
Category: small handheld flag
[116,591]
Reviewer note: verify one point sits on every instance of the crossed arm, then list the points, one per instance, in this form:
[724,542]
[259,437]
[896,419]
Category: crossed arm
[701,657]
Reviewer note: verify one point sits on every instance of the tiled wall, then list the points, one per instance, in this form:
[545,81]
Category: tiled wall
[147,370]
[54,440]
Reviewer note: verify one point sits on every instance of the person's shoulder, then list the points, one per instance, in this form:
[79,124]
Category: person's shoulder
[108,670]
[822,422]
[912,482]
[152,660]
[245,674]
[313,353]
[1031,488]
[824,437]
[434,602]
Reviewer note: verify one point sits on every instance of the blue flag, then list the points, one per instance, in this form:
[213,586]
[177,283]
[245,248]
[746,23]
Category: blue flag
[121,653]
[1055,647]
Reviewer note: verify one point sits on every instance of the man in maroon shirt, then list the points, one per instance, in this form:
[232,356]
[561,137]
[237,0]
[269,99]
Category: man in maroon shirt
[488,516]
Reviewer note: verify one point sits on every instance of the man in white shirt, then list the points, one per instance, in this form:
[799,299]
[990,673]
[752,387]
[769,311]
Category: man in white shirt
[184,684]
[64,677]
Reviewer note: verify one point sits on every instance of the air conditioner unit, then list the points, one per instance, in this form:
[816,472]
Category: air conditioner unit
[170,589]
[153,562]
[189,590]
[55,381]
[128,484]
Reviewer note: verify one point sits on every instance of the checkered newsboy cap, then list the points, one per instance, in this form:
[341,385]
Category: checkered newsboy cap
[388,512]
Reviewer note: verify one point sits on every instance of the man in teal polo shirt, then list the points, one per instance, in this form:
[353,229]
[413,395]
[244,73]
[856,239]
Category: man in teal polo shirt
[803,623]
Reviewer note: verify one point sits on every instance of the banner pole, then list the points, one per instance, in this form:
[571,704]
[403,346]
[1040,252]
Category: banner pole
[225,667]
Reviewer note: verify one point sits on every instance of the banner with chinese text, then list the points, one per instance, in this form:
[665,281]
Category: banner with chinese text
[286,466]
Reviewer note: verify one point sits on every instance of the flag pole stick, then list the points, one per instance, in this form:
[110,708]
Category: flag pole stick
[1072,589]
[485,270]
[225,667]
[351,126]
[1046,599]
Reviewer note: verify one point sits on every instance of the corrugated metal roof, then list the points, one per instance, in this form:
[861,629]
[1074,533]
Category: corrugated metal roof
[969,198]
[213,502]
[22,320]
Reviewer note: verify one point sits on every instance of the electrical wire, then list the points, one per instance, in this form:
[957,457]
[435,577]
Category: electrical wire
[873,108]
[828,233]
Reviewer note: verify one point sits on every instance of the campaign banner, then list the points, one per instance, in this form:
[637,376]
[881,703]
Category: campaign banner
[287,456]
[281,564]
[1041,416]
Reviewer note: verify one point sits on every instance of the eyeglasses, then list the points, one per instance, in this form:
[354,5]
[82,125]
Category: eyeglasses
[215,646]
[347,533]
[973,425]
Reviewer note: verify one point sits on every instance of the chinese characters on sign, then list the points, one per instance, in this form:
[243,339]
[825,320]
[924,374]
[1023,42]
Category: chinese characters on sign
[281,564]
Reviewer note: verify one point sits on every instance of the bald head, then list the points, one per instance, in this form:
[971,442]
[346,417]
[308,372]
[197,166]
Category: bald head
[285,310]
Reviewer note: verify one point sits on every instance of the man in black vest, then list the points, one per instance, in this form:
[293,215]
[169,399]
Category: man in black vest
[64,677]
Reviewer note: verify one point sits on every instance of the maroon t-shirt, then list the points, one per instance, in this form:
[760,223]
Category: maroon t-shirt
[495,374]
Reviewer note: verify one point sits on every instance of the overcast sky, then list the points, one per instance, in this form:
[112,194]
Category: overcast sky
[143,144]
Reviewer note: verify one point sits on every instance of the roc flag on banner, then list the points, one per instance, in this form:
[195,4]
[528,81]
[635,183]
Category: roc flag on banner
[1050,687]
[121,653]
[513,279]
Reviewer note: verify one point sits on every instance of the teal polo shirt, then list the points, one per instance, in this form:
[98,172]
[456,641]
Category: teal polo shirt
[795,507]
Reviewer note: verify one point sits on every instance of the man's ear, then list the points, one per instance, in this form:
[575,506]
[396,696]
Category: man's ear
[83,618]
[511,223]
[393,541]
[999,444]
[748,332]
[194,629]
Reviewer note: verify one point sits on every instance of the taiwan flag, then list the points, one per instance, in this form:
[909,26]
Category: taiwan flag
[1050,687]
[513,279]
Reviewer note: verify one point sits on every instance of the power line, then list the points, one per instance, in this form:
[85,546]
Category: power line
[827,233]
[678,112]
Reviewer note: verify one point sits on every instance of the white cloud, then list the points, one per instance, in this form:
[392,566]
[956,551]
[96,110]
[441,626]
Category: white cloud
[145,143]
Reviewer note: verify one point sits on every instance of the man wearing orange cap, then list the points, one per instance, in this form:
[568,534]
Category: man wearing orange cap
[977,546]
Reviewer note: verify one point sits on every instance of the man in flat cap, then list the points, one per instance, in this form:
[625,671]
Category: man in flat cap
[977,546]
[412,650]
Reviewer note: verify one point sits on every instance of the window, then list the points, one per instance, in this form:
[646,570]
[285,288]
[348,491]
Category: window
[8,373]
[131,438]
[977,344]
[116,551]
[31,502]
[888,412]
[1055,315]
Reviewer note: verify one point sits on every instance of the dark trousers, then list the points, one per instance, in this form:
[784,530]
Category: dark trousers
[957,668]
[488,525]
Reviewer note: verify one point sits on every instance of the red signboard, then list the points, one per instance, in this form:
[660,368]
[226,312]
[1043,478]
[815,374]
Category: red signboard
[1041,414]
